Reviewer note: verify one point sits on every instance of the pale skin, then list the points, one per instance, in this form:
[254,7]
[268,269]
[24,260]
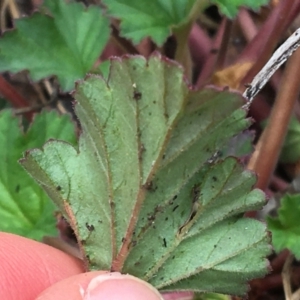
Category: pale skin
[31,270]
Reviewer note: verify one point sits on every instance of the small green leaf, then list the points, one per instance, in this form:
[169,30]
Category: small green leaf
[286,227]
[65,44]
[290,152]
[4,103]
[25,209]
[155,19]
[102,69]
[211,296]
[230,7]
[145,192]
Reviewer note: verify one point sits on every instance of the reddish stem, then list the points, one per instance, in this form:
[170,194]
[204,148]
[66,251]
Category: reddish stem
[211,61]
[268,283]
[265,156]
[247,25]
[221,58]
[13,96]
[267,38]
[277,184]
[124,44]
[200,45]
[278,262]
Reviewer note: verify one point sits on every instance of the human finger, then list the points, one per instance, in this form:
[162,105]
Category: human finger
[28,267]
[101,285]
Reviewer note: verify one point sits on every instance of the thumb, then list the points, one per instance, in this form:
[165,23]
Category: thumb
[101,285]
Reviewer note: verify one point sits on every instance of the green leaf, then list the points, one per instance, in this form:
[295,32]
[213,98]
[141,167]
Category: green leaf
[4,103]
[211,296]
[25,209]
[143,18]
[290,152]
[285,228]
[230,7]
[65,44]
[102,69]
[144,191]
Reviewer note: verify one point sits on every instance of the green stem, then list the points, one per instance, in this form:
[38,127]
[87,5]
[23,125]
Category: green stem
[182,54]
[182,33]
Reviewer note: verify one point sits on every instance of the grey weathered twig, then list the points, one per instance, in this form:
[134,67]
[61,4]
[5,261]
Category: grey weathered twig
[278,58]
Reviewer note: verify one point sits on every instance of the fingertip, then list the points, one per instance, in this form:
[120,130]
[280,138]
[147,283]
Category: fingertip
[101,285]
[116,286]
[28,267]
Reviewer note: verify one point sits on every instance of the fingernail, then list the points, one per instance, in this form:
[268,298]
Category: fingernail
[117,286]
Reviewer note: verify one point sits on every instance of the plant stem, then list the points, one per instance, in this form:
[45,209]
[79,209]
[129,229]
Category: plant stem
[278,262]
[265,156]
[200,46]
[221,57]
[267,38]
[182,33]
[247,25]
[273,281]
[124,44]
[13,96]
[209,66]
[182,54]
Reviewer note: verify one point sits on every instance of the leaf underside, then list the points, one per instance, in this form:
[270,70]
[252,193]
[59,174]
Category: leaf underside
[145,192]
